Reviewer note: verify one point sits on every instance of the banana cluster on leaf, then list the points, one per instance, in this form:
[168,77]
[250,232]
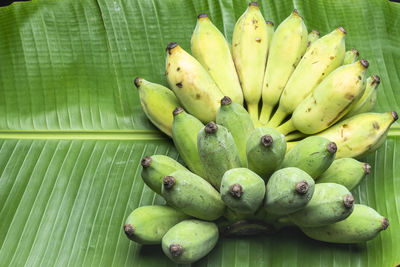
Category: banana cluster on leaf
[268,128]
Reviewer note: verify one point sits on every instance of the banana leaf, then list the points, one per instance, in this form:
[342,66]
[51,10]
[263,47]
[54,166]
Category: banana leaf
[72,131]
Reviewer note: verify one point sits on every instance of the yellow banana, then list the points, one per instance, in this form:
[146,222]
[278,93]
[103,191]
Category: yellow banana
[312,37]
[287,47]
[350,56]
[192,84]
[324,55]
[158,102]
[330,100]
[360,134]
[270,32]
[250,48]
[210,48]
[368,99]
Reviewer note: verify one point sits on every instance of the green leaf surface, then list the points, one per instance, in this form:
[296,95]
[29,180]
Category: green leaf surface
[72,131]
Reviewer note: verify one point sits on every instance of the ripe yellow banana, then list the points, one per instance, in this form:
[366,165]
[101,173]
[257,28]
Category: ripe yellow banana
[330,100]
[368,99]
[270,32]
[192,84]
[250,48]
[350,56]
[324,55]
[287,47]
[158,102]
[210,48]
[312,37]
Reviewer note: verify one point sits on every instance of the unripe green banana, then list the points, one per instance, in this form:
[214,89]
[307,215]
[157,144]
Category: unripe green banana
[295,136]
[350,56]
[192,195]
[242,190]
[266,148]
[362,225]
[157,102]
[330,100]
[190,240]
[360,134]
[184,133]
[324,56]
[236,119]
[217,151]
[287,47]
[210,48]
[148,224]
[288,190]
[192,84]
[346,171]
[368,99]
[313,155]
[155,168]
[250,49]
[330,203]
[312,37]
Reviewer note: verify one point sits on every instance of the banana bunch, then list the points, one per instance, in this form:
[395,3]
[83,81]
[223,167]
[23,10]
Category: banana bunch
[268,129]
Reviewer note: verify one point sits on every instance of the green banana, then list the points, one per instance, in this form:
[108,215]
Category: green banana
[346,171]
[217,151]
[184,133]
[190,240]
[155,168]
[367,102]
[242,190]
[250,49]
[324,56]
[313,155]
[330,203]
[350,56]
[148,224]
[270,32]
[236,119]
[157,102]
[362,225]
[192,195]
[192,84]
[329,101]
[295,136]
[288,190]
[266,148]
[211,49]
[360,134]
[287,47]
[312,37]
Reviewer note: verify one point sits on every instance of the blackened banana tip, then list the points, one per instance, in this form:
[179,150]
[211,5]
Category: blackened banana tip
[377,79]
[129,230]
[355,51]
[385,223]
[226,101]
[367,168]
[394,115]
[364,63]
[171,46]
[269,22]
[267,140]
[175,250]
[302,187]
[253,4]
[348,201]
[202,15]
[177,111]
[331,147]
[137,82]
[169,182]
[342,30]
[236,190]
[146,161]
[211,127]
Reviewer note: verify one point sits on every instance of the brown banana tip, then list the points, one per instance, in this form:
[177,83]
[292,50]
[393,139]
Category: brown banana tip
[331,147]
[376,80]
[146,161]
[394,115]
[355,51]
[129,230]
[236,190]
[348,201]
[202,15]
[367,168]
[302,187]
[175,250]
[316,32]
[267,140]
[269,22]
[385,223]
[364,62]
[137,82]
[177,111]
[171,46]
[342,30]
[253,4]
[169,182]
[211,127]
[226,101]
[295,11]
